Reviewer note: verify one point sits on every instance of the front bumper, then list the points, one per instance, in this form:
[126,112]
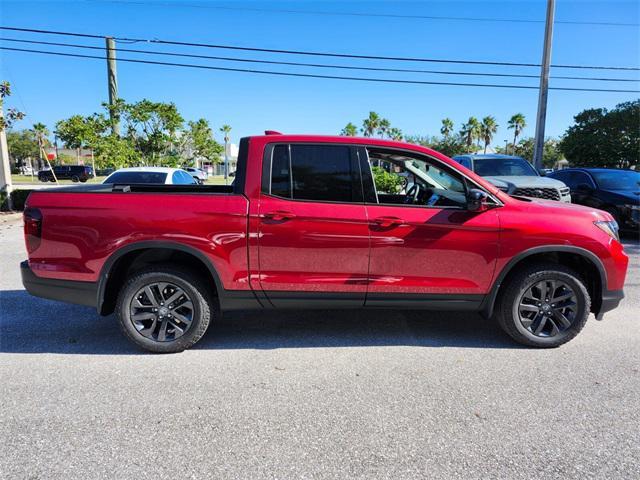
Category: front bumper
[610,300]
[81,293]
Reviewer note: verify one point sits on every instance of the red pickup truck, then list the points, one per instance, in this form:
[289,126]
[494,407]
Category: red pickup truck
[323,222]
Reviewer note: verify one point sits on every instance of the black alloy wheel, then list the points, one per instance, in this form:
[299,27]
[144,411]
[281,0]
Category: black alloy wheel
[165,308]
[548,308]
[161,311]
[543,305]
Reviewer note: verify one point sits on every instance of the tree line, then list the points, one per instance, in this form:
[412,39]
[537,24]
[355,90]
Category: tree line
[598,138]
[152,133]
[155,133]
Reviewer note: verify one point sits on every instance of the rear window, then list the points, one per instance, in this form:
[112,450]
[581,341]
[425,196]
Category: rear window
[503,167]
[136,177]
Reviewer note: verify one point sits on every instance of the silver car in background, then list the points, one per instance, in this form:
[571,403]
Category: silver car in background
[515,176]
[199,175]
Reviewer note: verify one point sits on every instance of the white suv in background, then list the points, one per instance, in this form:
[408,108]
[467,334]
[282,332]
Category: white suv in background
[515,176]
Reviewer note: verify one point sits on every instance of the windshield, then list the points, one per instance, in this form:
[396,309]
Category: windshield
[618,180]
[136,177]
[503,167]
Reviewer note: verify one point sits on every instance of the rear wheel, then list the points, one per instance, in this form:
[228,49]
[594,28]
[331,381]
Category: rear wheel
[75,178]
[544,306]
[164,308]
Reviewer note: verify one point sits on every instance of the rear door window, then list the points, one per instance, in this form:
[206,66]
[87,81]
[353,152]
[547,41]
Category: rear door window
[322,172]
[316,173]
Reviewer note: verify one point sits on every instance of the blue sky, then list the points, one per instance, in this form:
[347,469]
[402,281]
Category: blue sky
[51,88]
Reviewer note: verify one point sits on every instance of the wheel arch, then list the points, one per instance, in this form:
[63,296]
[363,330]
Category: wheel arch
[133,256]
[585,262]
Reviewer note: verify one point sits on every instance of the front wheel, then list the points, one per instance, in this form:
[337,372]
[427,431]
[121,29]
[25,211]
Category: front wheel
[544,306]
[164,308]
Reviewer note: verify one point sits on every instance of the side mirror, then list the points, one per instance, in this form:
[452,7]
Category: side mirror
[476,200]
[542,172]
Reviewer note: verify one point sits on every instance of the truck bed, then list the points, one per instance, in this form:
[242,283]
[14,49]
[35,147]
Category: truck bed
[142,187]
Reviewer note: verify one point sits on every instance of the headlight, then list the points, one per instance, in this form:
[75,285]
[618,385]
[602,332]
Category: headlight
[633,207]
[609,227]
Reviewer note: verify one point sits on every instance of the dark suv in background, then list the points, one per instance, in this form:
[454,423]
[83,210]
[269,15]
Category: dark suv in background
[614,191]
[77,173]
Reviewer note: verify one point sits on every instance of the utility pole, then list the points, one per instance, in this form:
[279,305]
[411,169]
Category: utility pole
[226,157]
[5,168]
[112,79]
[538,148]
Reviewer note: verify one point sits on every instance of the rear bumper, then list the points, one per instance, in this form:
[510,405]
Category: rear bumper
[610,300]
[81,293]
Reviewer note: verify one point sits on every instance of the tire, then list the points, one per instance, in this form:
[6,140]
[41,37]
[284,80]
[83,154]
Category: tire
[147,333]
[520,314]
[52,180]
[75,179]
[83,180]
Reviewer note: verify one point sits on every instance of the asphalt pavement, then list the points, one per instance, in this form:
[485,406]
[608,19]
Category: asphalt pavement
[383,394]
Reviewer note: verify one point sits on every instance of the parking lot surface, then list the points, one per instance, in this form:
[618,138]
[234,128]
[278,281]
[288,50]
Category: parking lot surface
[357,394]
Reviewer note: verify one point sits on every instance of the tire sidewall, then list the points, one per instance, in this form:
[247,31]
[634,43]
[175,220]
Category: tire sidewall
[581,314]
[201,312]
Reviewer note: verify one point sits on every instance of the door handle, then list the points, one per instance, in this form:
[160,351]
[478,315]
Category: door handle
[279,215]
[386,222]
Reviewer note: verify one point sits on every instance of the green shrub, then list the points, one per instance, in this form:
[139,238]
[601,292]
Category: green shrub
[386,182]
[18,198]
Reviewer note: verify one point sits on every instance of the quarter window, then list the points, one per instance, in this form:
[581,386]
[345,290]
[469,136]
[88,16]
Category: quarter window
[280,172]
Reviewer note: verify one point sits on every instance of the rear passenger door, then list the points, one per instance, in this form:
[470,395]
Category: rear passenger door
[313,237]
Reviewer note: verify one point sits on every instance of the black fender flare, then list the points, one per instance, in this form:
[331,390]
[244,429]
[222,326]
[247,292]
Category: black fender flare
[144,245]
[486,309]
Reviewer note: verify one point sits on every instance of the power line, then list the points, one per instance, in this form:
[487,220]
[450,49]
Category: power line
[309,75]
[362,14]
[317,54]
[315,65]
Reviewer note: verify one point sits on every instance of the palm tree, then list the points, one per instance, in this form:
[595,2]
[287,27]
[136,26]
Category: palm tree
[370,125]
[350,130]
[470,131]
[517,122]
[384,128]
[226,129]
[447,127]
[488,129]
[395,134]
[41,132]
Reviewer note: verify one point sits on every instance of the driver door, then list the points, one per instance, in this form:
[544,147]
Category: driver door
[429,245]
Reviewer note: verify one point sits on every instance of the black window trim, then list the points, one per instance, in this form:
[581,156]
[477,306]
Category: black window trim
[566,172]
[591,178]
[267,167]
[468,182]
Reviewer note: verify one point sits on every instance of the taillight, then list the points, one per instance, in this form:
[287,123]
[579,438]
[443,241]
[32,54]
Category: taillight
[32,228]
